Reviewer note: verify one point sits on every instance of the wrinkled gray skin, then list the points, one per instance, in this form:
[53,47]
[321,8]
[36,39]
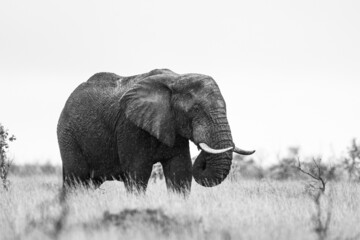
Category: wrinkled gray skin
[116,127]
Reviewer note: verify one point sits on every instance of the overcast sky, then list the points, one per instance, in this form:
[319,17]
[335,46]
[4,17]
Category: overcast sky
[289,70]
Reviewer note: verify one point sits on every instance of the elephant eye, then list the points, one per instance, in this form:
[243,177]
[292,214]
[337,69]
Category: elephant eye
[196,108]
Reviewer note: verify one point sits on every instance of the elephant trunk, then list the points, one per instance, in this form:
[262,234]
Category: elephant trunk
[210,169]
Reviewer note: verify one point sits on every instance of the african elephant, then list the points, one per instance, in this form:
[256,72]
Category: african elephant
[115,127]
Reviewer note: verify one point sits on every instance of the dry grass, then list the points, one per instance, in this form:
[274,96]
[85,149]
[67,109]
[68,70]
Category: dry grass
[233,210]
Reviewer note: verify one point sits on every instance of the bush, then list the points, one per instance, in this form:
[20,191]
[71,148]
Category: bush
[247,169]
[286,167]
[352,162]
[5,163]
[35,169]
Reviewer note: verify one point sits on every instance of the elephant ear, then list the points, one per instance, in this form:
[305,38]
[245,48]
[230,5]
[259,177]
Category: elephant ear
[147,105]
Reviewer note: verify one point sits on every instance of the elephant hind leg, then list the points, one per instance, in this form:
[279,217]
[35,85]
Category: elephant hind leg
[75,179]
[76,171]
[72,181]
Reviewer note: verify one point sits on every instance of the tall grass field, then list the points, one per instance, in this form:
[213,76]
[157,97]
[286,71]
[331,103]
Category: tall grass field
[236,209]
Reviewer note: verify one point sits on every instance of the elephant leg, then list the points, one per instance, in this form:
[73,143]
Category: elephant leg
[83,179]
[177,171]
[136,177]
[75,168]
[76,176]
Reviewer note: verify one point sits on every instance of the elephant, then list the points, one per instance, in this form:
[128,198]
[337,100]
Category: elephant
[116,128]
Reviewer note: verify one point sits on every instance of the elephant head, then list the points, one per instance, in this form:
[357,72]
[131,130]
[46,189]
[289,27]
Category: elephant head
[191,105]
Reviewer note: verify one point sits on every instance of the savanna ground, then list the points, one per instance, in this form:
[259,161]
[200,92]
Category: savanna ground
[236,209]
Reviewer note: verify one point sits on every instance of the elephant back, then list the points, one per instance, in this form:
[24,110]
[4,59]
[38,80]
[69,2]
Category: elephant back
[104,79]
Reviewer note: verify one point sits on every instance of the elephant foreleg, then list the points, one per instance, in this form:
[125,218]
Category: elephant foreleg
[136,177]
[177,171]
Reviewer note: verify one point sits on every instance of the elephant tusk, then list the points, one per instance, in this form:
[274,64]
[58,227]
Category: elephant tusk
[208,149]
[243,152]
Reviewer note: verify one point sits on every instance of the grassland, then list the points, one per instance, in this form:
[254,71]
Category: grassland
[242,209]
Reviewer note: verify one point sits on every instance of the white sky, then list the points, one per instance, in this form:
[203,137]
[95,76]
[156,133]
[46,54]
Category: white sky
[289,70]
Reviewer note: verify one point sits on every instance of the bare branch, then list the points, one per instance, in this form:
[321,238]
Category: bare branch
[317,178]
